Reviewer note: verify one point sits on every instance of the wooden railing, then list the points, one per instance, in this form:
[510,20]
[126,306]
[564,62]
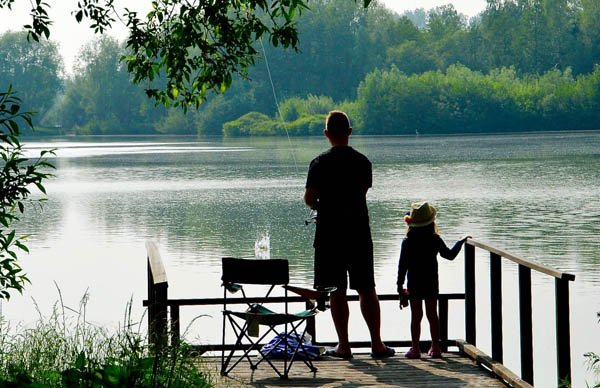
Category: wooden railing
[563,336]
[161,310]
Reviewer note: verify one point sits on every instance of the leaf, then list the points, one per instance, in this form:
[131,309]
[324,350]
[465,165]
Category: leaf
[40,187]
[80,361]
[21,246]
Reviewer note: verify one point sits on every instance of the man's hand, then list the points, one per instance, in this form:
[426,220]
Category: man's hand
[310,197]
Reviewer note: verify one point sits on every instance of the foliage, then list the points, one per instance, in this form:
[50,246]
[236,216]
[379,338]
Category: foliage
[65,350]
[17,176]
[461,100]
[593,361]
[100,99]
[298,117]
[340,43]
[176,122]
[35,68]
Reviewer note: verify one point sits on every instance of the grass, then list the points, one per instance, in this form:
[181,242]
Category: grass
[593,361]
[64,350]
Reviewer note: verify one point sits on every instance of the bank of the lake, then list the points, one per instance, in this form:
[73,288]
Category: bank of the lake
[536,195]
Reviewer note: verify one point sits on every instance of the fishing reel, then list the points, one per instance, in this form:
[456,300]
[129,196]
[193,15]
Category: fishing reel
[312,218]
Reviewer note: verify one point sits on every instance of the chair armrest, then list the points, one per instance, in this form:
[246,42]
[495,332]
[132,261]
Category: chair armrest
[320,295]
[232,287]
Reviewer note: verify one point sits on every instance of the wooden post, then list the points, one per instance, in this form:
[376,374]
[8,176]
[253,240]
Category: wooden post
[151,302]
[175,326]
[563,334]
[443,313]
[160,314]
[470,316]
[496,305]
[157,297]
[311,327]
[525,314]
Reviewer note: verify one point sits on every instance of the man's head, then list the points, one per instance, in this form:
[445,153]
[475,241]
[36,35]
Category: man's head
[337,127]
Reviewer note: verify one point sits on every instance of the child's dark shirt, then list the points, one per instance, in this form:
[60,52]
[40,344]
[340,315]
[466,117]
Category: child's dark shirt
[418,257]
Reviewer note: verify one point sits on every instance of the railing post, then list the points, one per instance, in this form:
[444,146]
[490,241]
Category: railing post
[160,314]
[157,297]
[311,327]
[525,314]
[443,313]
[175,326]
[496,305]
[563,336]
[157,310]
[470,316]
[151,302]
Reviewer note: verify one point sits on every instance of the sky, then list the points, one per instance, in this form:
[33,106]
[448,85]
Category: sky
[71,36]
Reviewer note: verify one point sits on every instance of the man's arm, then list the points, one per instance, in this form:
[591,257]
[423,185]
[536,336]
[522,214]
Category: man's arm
[310,197]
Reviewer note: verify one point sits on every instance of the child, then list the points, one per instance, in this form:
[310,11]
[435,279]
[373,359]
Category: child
[418,256]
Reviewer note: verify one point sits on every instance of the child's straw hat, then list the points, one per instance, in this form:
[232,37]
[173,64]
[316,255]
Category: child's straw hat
[421,214]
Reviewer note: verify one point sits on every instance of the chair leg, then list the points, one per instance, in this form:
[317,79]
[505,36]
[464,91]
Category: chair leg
[300,347]
[240,333]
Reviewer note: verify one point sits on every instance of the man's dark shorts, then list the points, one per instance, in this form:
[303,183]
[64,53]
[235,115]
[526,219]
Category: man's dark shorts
[334,265]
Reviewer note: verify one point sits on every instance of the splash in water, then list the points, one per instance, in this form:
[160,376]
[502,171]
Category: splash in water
[262,247]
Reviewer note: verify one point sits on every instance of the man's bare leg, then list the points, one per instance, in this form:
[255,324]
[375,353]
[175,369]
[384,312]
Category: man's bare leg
[371,312]
[340,314]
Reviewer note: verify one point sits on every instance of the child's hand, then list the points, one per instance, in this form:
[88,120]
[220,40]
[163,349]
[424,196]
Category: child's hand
[403,297]
[465,238]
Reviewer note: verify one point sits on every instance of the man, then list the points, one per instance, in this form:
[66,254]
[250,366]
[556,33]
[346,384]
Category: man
[336,186]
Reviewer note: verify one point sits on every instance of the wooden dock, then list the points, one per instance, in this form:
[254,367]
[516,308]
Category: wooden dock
[453,370]
[469,368]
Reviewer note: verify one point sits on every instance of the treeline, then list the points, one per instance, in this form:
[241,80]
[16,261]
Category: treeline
[519,65]
[456,101]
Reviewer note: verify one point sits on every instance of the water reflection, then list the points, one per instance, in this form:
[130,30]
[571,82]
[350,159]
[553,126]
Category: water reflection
[534,195]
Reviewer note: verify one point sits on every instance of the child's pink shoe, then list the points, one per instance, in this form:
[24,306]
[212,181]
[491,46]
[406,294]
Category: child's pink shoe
[437,353]
[413,354]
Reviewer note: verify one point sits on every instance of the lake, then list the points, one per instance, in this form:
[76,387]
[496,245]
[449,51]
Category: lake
[536,196]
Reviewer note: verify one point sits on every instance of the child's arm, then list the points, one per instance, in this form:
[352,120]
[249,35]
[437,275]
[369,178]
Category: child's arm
[451,254]
[402,266]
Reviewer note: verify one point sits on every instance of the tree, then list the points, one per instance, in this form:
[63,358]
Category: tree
[16,178]
[193,46]
[100,99]
[36,68]
[196,46]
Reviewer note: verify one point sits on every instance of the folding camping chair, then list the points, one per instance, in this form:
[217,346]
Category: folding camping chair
[245,324]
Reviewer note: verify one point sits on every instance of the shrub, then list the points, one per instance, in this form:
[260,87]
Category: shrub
[67,351]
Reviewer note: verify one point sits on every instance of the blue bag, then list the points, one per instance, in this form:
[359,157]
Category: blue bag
[312,352]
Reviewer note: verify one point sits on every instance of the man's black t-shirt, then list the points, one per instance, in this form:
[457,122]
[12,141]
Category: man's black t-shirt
[341,176]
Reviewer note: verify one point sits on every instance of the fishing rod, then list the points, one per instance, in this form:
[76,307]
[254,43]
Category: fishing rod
[312,216]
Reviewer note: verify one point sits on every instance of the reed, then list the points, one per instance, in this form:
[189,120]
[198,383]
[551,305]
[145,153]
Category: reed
[593,361]
[65,350]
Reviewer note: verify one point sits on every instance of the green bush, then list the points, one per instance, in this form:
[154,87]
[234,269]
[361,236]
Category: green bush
[66,351]
[252,123]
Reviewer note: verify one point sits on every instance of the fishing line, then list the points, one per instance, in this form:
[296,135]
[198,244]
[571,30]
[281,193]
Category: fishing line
[312,215]
[277,105]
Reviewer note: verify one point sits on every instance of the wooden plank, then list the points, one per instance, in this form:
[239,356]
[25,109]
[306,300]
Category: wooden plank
[530,264]
[363,371]
[526,323]
[502,372]
[563,331]
[443,315]
[280,299]
[496,306]
[156,265]
[470,305]
[201,349]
